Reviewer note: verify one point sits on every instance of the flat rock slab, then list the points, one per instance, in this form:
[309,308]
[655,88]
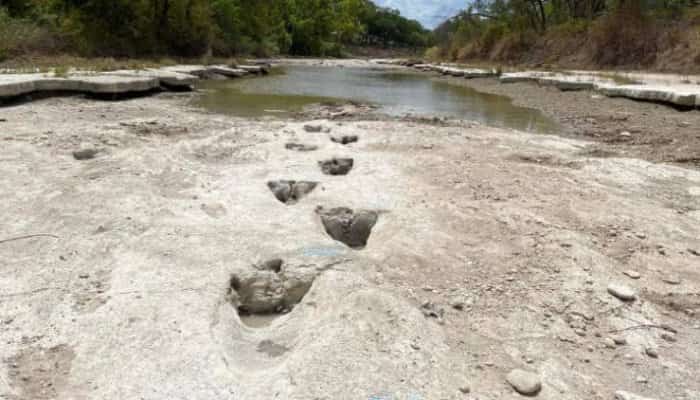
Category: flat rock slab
[20,84]
[227,71]
[467,73]
[113,82]
[678,94]
[204,71]
[166,78]
[253,69]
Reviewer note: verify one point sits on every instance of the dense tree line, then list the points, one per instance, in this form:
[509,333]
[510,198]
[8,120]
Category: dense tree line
[612,31]
[198,27]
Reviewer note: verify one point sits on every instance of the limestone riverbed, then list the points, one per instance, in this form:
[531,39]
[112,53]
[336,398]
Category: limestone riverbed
[452,260]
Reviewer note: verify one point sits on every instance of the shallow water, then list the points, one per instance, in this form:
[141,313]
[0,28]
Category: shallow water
[289,89]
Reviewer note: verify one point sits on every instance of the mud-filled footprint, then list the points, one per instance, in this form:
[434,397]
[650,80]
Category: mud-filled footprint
[290,192]
[352,228]
[270,288]
[344,139]
[300,147]
[336,166]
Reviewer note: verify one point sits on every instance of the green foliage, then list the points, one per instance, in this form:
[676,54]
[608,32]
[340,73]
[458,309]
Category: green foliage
[20,35]
[222,27]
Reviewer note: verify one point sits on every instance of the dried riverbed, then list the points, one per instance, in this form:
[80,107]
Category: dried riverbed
[447,256]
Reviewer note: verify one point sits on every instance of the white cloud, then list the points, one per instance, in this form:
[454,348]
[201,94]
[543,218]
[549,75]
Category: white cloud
[429,12]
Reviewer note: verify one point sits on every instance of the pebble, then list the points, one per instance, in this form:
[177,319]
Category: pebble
[313,128]
[669,337]
[632,274]
[620,341]
[625,134]
[672,280]
[622,292]
[465,389]
[652,352]
[85,154]
[609,343]
[458,305]
[641,379]
[525,383]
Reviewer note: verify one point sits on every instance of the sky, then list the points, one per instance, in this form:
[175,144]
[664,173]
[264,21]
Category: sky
[429,12]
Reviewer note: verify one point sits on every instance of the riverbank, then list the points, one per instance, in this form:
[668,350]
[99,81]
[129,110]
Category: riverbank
[621,127]
[605,107]
[136,233]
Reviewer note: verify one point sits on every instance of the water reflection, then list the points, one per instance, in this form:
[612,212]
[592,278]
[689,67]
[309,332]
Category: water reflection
[395,92]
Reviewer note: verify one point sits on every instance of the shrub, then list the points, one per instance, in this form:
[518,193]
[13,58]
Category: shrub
[433,54]
[21,36]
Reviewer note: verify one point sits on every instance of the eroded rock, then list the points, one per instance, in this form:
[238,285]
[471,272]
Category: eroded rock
[290,192]
[336,166]
[347,226]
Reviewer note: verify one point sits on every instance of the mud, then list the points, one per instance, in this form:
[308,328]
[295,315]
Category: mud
[290,192]
[350,227]
[270,289]
[344,139]
[337,166]
[300,147]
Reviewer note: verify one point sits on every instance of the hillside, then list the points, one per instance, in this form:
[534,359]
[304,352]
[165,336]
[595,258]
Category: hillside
[644,34]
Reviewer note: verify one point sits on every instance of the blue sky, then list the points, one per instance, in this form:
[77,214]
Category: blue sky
[429,12]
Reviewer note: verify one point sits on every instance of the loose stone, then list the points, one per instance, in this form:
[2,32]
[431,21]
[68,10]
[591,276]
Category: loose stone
[525,383]
[85,154]
[632,274]
[652,352]
[622,292]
